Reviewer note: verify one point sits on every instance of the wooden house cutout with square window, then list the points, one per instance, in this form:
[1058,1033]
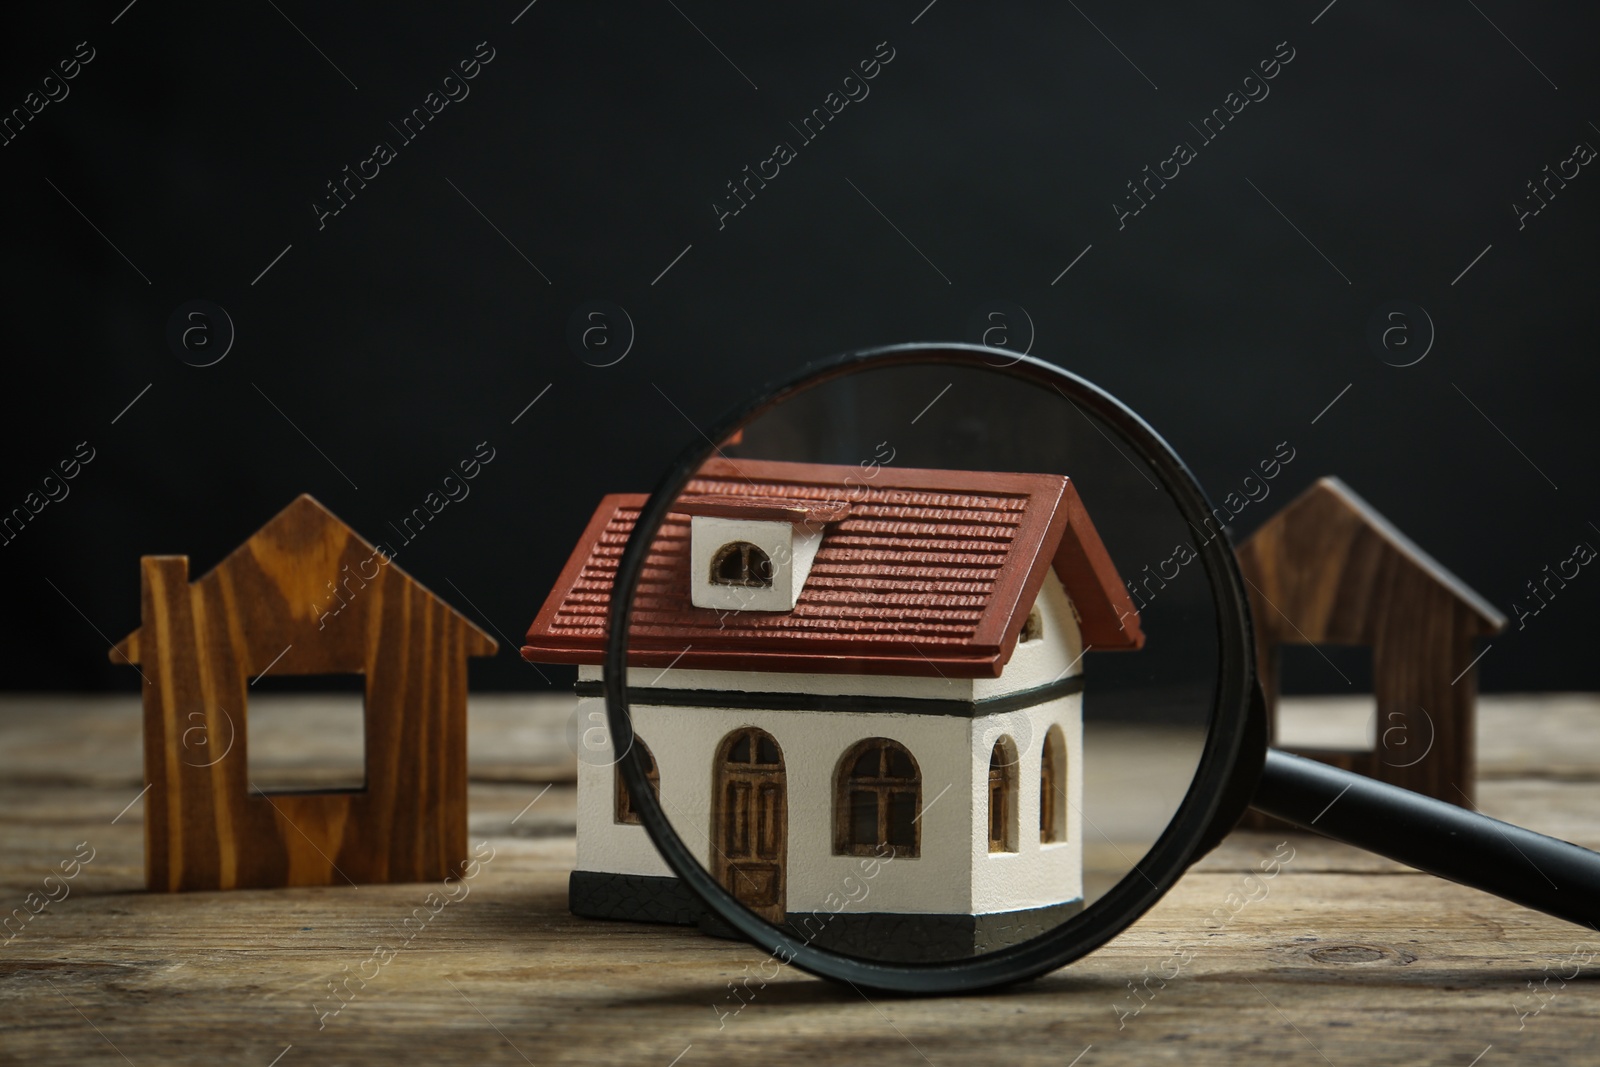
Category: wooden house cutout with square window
[304,595]
[1328,569]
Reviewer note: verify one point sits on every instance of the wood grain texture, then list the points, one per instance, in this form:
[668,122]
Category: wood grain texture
[304,595]
[1329,570]
[1349,955]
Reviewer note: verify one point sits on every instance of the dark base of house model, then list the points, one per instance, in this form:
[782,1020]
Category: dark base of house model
[891,936]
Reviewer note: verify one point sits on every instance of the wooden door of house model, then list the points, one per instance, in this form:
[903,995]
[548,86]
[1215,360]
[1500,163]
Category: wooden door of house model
[750,823]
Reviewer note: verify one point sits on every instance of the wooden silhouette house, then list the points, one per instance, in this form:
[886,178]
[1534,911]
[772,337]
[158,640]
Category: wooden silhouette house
[1330,570]
[304,595]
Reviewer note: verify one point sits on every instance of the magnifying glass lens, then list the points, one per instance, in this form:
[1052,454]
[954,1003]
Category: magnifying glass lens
[922,661]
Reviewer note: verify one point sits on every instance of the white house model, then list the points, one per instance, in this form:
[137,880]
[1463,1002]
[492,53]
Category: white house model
[825,667]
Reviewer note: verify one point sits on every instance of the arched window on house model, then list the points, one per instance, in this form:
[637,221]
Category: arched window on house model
[1033,629]
[741,563]
[1003,796]
[1053,787]
[877,800]
[624,812]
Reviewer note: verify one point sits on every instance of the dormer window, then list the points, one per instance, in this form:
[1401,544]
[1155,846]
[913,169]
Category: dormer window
[741,563]
[753,554]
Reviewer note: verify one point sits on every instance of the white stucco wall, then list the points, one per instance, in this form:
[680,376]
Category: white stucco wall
[1036,663]
[684,741]
[955,871]
[1037,873]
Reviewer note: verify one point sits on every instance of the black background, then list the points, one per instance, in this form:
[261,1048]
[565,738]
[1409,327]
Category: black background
[407,329]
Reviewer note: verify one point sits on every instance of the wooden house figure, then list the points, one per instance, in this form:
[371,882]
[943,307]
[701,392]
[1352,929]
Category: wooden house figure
[1330,570]
[304,595]
[815,658]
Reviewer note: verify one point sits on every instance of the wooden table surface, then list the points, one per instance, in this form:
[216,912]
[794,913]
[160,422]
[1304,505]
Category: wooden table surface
[1348,960]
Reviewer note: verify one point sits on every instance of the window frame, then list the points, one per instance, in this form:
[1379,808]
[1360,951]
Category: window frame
[1032,627]
[882,785]
[750,579]
[1002,772]
[1054,757]
[622,812]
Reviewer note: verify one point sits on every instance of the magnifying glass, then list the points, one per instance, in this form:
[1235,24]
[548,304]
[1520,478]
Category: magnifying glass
[931,669]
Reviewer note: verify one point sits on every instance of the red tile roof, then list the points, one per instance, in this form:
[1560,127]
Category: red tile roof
[929,572]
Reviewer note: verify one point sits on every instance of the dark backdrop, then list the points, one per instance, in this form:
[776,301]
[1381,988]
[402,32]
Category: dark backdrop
[585,164]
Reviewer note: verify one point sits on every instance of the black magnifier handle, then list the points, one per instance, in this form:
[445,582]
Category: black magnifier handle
[1543,873]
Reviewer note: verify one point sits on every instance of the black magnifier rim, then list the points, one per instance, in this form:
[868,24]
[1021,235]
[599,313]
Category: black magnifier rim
[1173,851]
